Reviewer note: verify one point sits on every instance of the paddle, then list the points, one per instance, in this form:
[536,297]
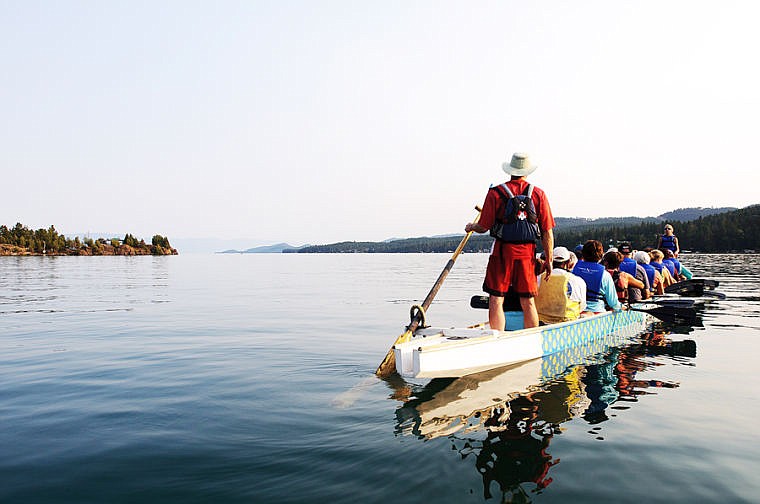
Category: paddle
[679,311]
[715,294]
[670,313]
[388,366]
[666,312]
[481,301]
[685,303]
[694,287]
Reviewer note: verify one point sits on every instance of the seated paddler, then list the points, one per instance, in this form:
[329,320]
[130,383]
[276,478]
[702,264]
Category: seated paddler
[600,288]
[562,296]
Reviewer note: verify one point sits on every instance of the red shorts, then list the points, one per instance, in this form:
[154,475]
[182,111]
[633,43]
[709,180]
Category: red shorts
[511,266]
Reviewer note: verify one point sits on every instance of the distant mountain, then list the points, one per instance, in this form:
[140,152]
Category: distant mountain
[690,214]
[211,245]
[581,222]
[681,215]
[266,249]
[448,235]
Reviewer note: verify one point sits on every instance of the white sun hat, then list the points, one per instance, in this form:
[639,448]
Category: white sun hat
[520,165]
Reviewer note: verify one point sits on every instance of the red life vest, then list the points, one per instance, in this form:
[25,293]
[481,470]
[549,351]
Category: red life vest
[621,284]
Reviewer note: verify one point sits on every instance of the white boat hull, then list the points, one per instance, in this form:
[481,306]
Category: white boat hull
[442,352]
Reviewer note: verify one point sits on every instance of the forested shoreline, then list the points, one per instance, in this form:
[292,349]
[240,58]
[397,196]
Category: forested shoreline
[735,231]
[20,241]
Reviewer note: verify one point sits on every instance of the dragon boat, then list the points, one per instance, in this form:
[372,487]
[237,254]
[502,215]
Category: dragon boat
[436,352]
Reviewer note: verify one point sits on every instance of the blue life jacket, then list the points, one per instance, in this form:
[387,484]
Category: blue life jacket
[629,266]
[677,264]
[668,263]
[591,273]
[650,271]
[657,266]
[519,223]
[668,242]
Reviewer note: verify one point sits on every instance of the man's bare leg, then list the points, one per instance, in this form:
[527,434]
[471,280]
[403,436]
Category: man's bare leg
[496,312]
[530,314]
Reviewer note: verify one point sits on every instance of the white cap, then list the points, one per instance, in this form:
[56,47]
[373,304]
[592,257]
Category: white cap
[560,254]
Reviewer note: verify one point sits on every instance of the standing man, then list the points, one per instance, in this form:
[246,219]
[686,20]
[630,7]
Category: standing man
[517,214]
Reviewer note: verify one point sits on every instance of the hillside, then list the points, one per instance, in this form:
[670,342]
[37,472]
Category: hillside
[726,231]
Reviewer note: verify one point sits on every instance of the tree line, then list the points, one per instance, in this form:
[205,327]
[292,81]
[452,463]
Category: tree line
[735,231]
[49,241]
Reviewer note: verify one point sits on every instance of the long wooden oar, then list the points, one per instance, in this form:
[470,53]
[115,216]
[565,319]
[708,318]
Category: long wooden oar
[388,366]
[481,301]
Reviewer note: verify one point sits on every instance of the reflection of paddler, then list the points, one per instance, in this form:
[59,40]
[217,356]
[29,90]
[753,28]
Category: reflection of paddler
[517,454]
[627,385]
[577,400]
[614,380]
[655,343]
[600,381]
[445,406]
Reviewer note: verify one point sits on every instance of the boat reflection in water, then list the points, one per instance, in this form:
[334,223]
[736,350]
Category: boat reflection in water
[506,418]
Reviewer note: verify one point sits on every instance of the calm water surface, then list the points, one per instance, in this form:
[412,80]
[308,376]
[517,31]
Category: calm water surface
[248,378]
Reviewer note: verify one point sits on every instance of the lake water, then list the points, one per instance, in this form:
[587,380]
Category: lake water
[249,378]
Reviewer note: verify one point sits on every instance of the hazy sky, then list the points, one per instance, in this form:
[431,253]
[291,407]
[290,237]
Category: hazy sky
[321,121]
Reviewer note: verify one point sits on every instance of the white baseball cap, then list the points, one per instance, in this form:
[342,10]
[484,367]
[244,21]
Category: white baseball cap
[560,254]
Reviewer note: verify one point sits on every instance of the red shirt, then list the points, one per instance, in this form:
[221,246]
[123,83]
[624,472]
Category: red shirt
[494,205]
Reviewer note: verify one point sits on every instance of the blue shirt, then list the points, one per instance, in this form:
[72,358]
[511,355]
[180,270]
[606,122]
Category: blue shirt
[609,293]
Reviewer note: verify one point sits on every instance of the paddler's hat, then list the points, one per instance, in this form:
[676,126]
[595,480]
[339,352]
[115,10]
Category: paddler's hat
[520,165]
[625,248]
[560,254]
